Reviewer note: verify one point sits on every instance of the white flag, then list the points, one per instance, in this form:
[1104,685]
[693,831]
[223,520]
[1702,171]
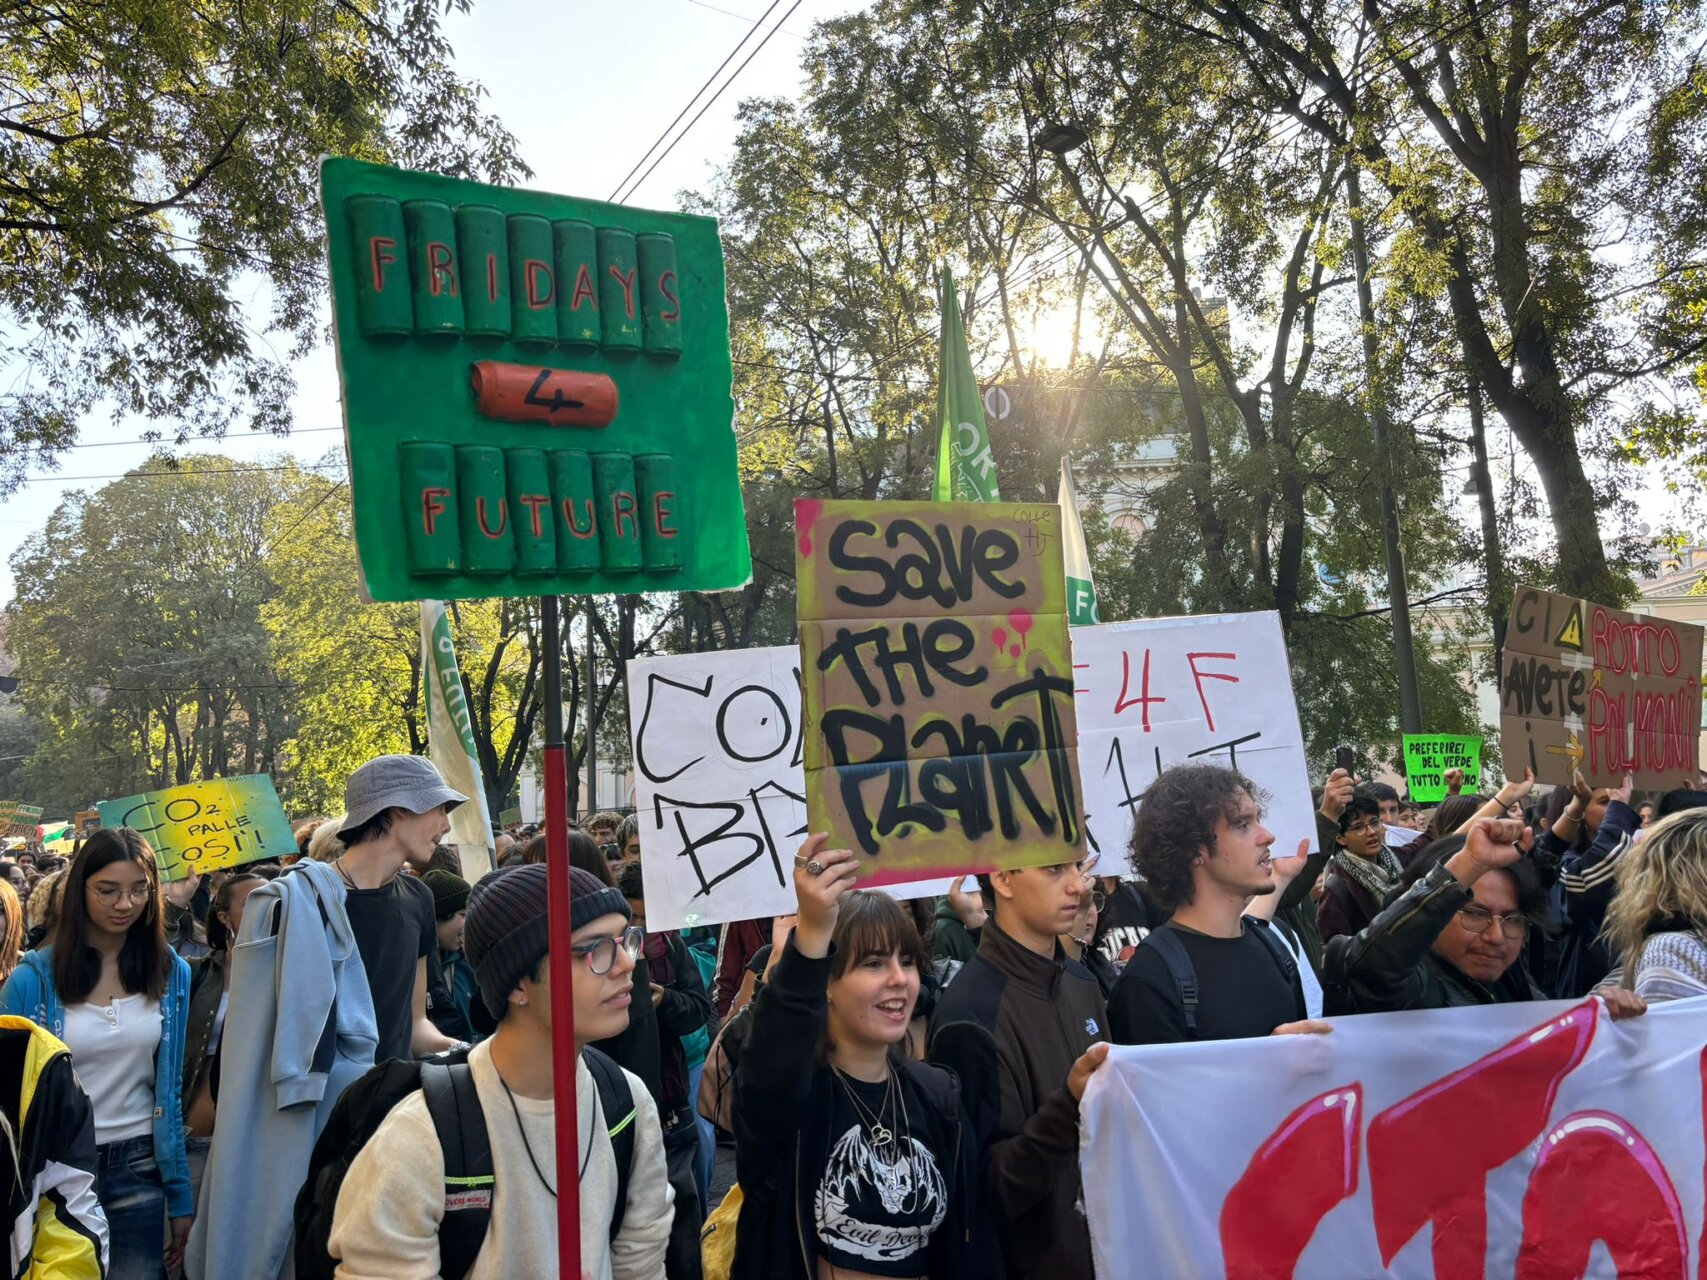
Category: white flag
[1081,592]
[450,741]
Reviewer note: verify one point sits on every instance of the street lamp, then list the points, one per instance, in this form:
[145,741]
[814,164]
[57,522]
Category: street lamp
[1060,138]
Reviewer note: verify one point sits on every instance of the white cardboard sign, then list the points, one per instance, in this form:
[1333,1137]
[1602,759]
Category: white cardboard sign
[1168,691]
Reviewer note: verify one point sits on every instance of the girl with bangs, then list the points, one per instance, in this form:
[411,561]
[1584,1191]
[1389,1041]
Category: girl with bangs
[855,1161]
[1656,926]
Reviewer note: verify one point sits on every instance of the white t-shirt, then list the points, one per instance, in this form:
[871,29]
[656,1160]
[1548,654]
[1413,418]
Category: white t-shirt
[112,1051]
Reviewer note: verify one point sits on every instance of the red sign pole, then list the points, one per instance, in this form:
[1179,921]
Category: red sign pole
[563,1058]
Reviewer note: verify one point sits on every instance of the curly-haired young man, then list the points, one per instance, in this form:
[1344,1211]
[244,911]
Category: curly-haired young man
[1212,972]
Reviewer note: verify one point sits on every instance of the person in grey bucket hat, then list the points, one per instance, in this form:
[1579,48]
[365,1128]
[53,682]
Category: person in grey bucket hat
[398,809]
[410,783]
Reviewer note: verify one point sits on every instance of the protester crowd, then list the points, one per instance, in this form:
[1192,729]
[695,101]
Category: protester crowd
[340,1064]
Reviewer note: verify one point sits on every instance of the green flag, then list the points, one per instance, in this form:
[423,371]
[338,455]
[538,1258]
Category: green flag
[965,468]
[450,741]
[1081,592]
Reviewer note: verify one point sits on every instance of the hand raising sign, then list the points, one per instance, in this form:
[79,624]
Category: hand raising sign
[821,877]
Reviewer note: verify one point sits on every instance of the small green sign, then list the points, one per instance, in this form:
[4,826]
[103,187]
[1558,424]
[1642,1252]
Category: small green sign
[536,390]
[1429,755]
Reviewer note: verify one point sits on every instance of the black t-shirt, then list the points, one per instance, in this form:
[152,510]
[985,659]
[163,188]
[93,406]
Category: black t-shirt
[395,927]
[1121,926]
[1241,992]
[879,1202]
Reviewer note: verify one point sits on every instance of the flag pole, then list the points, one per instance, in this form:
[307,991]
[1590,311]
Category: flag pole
[563,1057]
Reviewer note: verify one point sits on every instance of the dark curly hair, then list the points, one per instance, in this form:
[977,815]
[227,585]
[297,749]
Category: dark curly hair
[1177,820]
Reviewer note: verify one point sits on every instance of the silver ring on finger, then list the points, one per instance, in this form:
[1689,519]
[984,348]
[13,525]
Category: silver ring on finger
[814,868]
[800,862]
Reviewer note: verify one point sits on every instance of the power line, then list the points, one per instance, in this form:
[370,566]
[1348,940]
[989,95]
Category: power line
[744,18]
[182,474]
[714,97]
[745,36]
[197,441]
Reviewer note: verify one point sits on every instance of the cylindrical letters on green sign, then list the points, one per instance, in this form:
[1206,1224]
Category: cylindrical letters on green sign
[619,511]
[573,500]
[432,264]
[488,545]
[530,510]
[483,249]
[577,295]
[660,295]
[383,304]
[660,513]
[619,290]
[428,474]
[533,280]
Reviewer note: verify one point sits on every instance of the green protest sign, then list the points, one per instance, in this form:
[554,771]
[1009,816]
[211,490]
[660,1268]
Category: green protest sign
[1429,755]
[203,826]
[536,390]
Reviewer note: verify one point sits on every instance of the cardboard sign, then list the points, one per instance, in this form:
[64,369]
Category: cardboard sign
[1513,1140]
[719,791]
[1597,689]
[510,818]
[940,731]
[86,820]
[203,826]
[1168,691]
[19,820]
[1429,755]
[536,390]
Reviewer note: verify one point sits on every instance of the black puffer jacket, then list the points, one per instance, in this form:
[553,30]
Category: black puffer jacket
[1390,965]
[783,1110]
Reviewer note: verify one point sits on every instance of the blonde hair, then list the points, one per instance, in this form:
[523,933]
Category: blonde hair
[12,936]
[324,845]
[1662,886]
[42,911]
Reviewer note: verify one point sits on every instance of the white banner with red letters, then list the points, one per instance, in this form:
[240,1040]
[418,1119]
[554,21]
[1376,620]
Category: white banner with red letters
[1532,1141]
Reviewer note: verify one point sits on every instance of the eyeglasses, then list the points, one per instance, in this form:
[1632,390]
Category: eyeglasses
[1098,898]
[108,894]
[1477,920]
[1358,828]
[601,953]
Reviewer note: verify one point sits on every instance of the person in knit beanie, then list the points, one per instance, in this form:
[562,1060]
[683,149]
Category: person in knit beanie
[391,1201]
[453,989]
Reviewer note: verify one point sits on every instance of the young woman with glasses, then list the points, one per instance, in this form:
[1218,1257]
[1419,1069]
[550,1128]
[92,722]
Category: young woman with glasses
[111,988]
[1454,935]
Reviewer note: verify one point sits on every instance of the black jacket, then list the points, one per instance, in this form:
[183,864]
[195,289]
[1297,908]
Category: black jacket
[1390,964]
[783,1109]
[1589,880]
[1040,1015]
[207,985]
[1296,914]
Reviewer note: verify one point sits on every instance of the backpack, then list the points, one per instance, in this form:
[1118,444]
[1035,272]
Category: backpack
[1174,955]
[454,1105]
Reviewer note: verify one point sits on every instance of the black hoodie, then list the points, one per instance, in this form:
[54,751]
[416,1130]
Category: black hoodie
[784,1104]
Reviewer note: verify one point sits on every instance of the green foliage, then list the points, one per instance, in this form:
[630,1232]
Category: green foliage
[158,155]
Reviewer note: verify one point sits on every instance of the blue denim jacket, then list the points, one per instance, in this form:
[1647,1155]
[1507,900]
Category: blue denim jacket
[30,993]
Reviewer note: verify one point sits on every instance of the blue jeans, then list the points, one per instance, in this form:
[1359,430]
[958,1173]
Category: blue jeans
[705,1163]
[127,1182]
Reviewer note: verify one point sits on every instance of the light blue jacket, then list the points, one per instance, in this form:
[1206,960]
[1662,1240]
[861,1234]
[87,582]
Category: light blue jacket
[30,993]
[299,1029]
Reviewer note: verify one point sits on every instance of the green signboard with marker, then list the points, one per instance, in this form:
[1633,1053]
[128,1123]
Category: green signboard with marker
[536,390]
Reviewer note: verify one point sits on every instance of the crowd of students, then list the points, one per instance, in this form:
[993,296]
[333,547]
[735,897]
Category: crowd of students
[340,1064]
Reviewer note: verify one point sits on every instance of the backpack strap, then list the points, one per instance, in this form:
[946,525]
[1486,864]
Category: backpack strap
[616,1100]
[1172,950]
[1278,949]
[461,1126]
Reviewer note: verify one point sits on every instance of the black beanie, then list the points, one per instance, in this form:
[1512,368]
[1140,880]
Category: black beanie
[450,892]
[507,930]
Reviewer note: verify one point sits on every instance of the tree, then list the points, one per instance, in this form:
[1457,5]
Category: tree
[137,633]
[157,156]
[1494,130]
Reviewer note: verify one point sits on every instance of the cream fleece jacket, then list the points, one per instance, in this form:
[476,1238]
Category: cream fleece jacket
[387,1220]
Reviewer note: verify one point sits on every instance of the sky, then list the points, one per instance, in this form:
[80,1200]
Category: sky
[643,57]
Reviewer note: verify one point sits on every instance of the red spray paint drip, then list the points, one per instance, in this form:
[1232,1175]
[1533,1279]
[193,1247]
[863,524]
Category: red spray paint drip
[1020,620]
[806,511]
